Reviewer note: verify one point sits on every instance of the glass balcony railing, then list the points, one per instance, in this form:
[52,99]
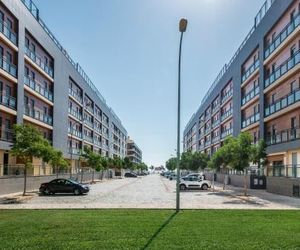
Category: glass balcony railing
[289,171]
[282,136]
[227,114]
[88,138]
[250,70]
[9,33]
[8,101]
[215,124]
[74,151]
[6,134]
[98,143]
[206,131]
[215,108]
[226,133]
[8,67]
[250,120]
[227,96]
[39,115]
[283,69]
[207,143]
[38,88]
[75,95]
[250,95]
[38,61]
[98,130]
[281,37]
[215,139]
[75,113]
[88,123]
[89,108]
[283,102]
[75,132]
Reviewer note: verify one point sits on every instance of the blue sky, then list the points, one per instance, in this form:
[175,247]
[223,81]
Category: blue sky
[129,48]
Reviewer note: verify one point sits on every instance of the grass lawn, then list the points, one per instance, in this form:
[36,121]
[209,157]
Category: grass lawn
[149,229]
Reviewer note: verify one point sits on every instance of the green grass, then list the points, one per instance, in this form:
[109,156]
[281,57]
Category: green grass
[149,229]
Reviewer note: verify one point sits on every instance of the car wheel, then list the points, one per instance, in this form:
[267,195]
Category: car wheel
[46,192]
[77,191]
[182,187]
[204,187]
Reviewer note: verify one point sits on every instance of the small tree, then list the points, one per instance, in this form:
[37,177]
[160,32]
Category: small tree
[128,164]
[171,164]
[28,144]
[186,160]
[198,161]
[93,160]
[259,155]
[56,160]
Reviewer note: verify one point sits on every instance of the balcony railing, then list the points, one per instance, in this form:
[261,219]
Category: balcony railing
[283,69]
[289,171]
[250,120]
[283,136]
[206,131]
[75,113]
[89,123]
[250,70]
[75,95]
[38,88]
[8,101]
[227,96]
[227,114]
[201,146]
[8,67]
[39,115]
[281,37]
[74,151]
[215,139]
[215,108]
[98,130]
[35,58]
[89,108]
[226,133]
[9,33]
[283,102]
[6,134]
[88,138]
[75,132]
[215,124]
[206,144]
[98,143]
[250,95]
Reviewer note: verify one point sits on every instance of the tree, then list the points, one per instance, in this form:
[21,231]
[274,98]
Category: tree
[186,160]
[28,144]
[198,161]
[56,160]
[259,154]
[128,164]
[93,160]
[171,164]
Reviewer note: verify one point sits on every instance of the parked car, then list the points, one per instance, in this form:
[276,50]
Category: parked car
[130,175]
[172,176]
[197,175]
[63,186]
[194,182]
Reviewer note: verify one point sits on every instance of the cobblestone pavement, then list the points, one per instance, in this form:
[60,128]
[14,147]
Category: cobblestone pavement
[154,191]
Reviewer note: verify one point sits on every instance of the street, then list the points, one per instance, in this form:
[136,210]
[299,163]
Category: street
[154,191]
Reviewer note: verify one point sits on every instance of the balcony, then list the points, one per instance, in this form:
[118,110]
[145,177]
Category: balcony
[201,146]
[75,95]
[283,102]
[75,113]
[38,61]
[74,151]
[215,108]
[98,143]
[89,108]
[289,171]
[88,139]
[250,95]
[283,69]
[250,70]
[227,114]
[206,131]
[281,37]
[75,132]
[250,120]
[7,32]
[226,133]
[215,139]
[226,96]
[283,136]
[8,101]
[215,124]
[98,130]
[8,67]
[89,123]
[38,88]
[207,143]
[6,134]
[39,115]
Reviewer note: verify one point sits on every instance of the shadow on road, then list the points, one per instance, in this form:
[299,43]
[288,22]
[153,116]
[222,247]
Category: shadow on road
[158,231]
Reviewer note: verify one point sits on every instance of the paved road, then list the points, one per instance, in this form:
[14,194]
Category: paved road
[154,191]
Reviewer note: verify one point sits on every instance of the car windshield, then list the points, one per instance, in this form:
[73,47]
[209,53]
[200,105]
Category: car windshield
[73,181]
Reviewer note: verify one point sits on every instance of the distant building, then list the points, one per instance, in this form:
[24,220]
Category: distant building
[134,153]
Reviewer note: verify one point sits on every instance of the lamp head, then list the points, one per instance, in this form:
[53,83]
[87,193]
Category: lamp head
[182,25]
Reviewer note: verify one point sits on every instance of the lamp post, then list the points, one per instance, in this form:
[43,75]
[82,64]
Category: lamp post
[182,29]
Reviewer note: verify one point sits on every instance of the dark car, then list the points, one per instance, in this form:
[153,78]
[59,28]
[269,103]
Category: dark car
[130,175]
[63,186]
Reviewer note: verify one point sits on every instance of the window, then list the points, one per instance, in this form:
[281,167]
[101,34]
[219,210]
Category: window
[294,86]
[9,24]
[293,50]
[9,57]
[32,47]
[292,15]
[26,71]
[26,42]
[273,36]
[273,67]
[293,122]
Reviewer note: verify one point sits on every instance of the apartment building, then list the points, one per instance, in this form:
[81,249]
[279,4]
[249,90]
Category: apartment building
[258,91]
[134,153]
[41,85]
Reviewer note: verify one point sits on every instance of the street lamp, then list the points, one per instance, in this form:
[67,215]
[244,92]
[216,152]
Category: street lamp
[182,28]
